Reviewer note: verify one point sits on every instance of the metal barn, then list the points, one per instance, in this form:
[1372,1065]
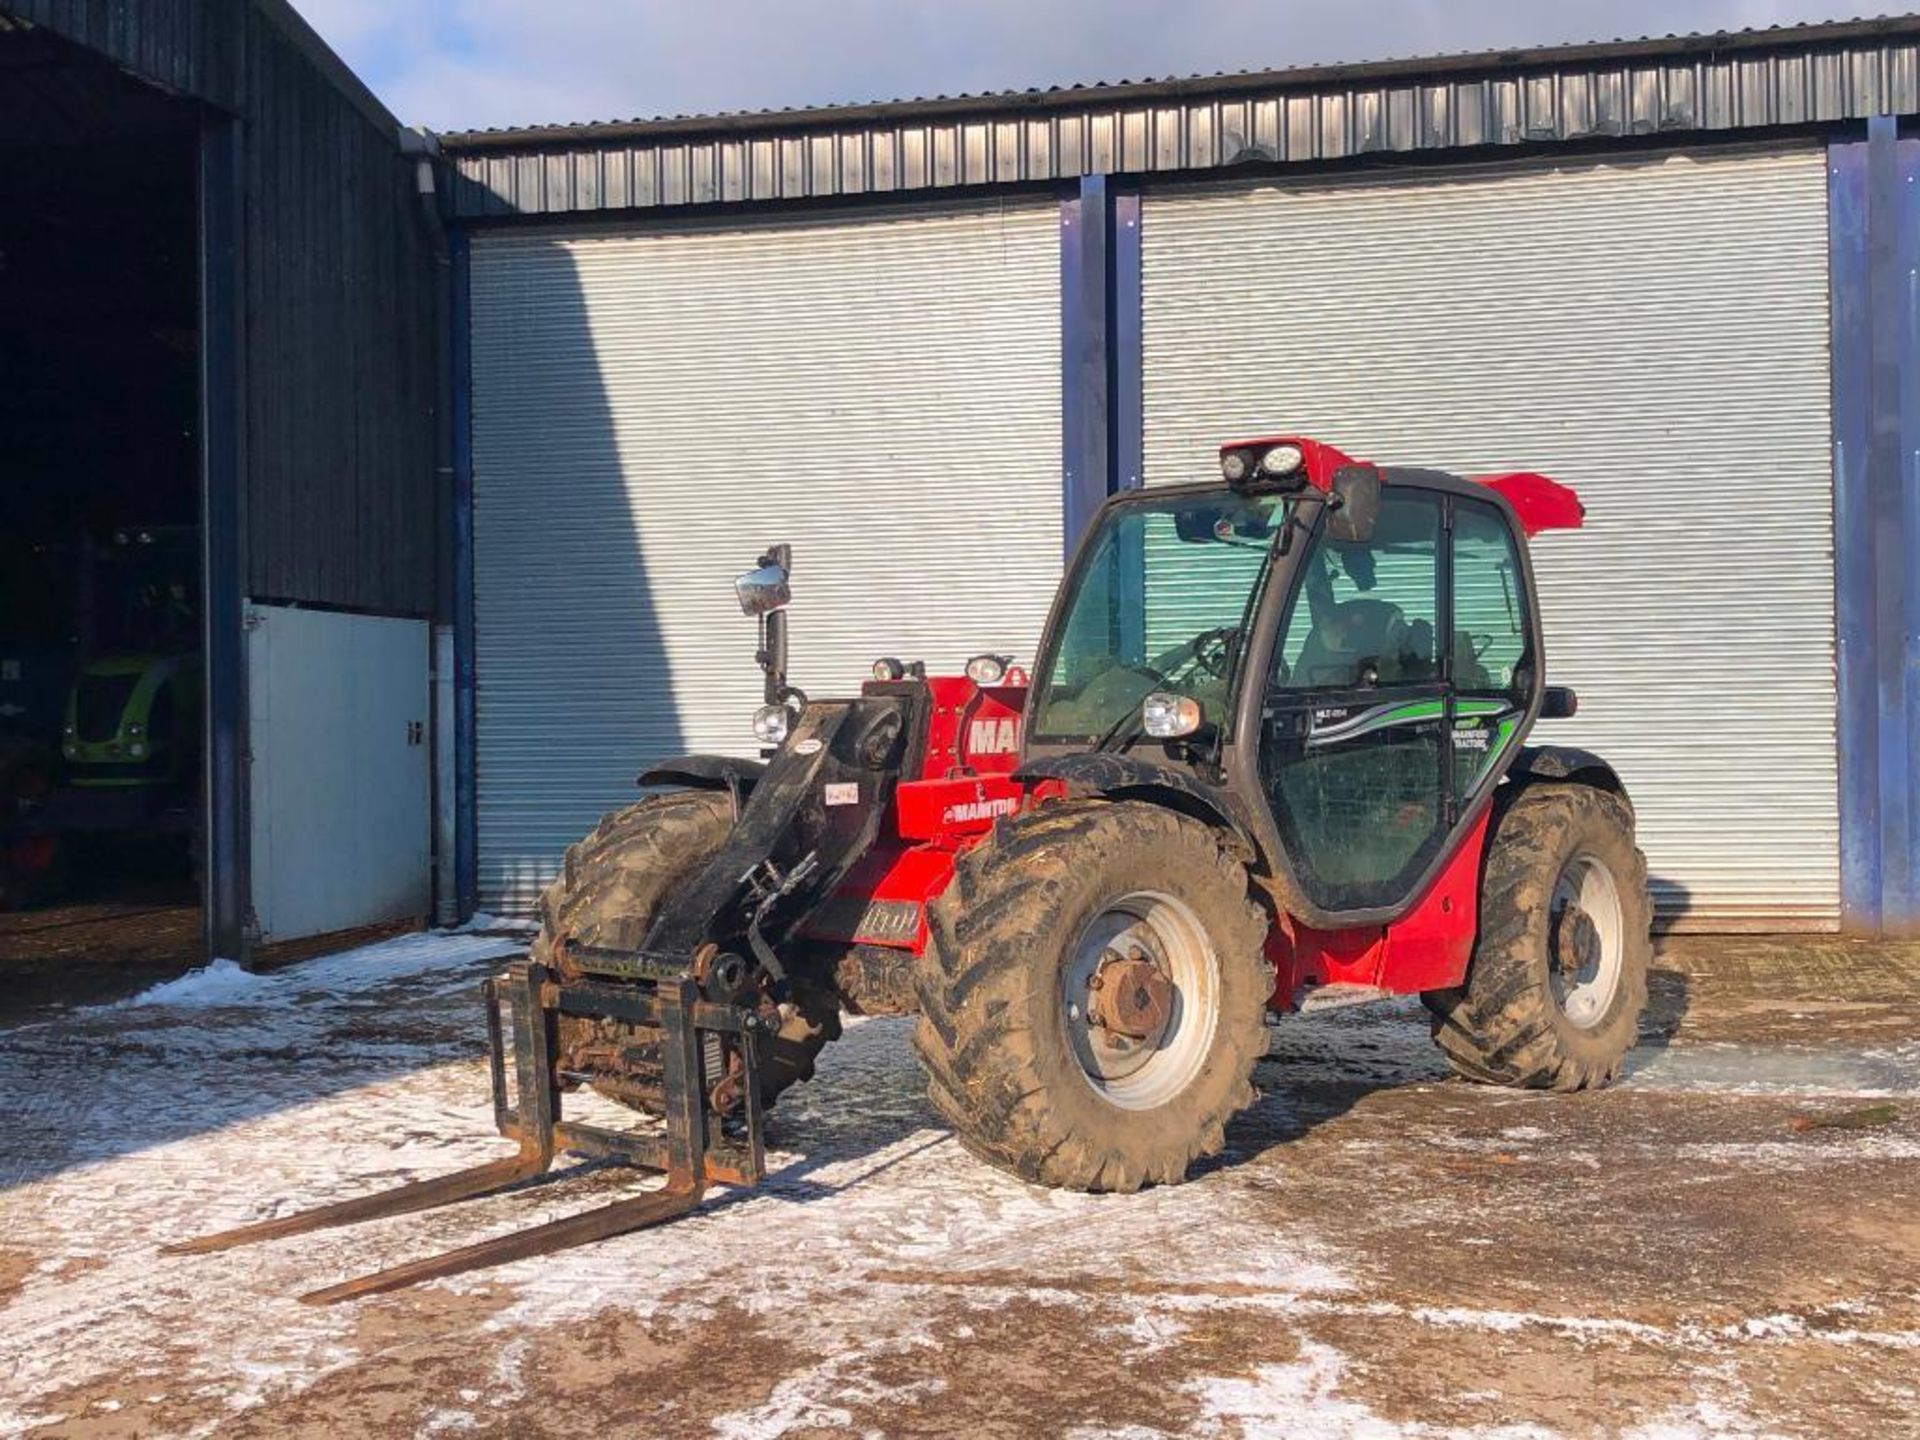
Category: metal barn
[218,259]
[920,340]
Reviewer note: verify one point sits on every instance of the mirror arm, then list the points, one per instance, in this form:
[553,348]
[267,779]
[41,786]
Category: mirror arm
[772,654]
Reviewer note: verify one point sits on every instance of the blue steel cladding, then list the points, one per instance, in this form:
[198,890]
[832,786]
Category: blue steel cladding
[1874,230]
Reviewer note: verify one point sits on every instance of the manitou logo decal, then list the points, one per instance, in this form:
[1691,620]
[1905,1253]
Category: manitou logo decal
[993,737]
[980,810]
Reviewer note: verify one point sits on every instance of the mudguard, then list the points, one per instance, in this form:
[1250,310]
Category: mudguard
[1566,762]
[1129,777]
[705,772]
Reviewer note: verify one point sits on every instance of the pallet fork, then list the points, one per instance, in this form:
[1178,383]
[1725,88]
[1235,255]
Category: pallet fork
[693,1150]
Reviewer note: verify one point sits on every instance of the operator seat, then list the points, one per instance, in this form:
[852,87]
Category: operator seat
[1468,673]
[1350,633]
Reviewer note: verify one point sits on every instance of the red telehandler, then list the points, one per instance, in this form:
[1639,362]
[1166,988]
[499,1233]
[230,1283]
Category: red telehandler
[1273,756]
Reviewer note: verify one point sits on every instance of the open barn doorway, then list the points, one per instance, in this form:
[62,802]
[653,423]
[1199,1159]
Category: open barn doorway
[101,677]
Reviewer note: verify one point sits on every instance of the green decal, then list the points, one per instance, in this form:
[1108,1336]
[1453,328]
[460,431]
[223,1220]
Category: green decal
[1502,734]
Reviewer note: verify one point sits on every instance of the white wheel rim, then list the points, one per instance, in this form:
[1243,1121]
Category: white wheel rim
[1144,1073]
[1586,940]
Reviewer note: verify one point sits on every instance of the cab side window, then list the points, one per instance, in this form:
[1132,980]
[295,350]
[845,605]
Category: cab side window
[1365,613]
[1489,602]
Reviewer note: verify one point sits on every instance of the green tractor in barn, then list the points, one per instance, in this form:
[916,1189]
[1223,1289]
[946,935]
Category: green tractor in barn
[126,757]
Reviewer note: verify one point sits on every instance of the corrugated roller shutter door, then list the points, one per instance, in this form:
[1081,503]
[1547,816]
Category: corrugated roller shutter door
[650,409]
[1653,332]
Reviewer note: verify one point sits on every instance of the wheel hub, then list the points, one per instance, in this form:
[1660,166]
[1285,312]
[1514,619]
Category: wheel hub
[1139,999]
[1586,941]
[1576,942]
[1130,996]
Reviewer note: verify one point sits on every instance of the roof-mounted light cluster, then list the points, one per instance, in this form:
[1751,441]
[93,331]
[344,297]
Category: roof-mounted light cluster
[988,669]
[1277,466]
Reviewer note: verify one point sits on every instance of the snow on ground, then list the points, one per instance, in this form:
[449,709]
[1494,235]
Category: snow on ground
[223,982]
[878,1186]
[871,1249]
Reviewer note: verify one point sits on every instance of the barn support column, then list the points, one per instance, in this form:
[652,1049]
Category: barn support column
[466,850]
[1874,229]
[1099,347]
[223,469]
[1129,384]
[1086,227]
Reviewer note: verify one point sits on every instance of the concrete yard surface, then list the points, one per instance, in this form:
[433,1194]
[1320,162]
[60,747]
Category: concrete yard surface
[1727,1243]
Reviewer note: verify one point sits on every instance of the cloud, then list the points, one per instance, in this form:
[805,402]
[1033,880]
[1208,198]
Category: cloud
[460,64]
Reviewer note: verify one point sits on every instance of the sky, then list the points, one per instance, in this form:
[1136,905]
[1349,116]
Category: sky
[470,64]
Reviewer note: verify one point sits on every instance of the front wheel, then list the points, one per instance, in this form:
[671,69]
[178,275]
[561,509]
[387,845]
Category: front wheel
[1093,998]
[1558,978]
[608,894]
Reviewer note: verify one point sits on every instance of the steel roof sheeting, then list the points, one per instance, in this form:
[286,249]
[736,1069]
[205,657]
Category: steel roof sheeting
[1714,84]
[195,47]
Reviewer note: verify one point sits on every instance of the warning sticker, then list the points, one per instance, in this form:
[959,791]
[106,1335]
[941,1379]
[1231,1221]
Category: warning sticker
[846,792]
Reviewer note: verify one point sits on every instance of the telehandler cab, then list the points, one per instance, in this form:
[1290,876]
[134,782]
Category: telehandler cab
[1272,756]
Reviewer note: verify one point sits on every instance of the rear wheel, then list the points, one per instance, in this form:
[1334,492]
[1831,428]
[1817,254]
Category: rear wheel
[608,894]
[1558,978]
[1093,1000]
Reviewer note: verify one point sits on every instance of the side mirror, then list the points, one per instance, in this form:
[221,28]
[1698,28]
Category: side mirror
[1559,703]
[764,590]
[1354,504]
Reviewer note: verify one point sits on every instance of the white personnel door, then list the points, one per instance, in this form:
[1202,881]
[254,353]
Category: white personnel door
[337,735]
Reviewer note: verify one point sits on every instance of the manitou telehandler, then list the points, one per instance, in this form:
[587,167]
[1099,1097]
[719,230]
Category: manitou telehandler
[1272,757]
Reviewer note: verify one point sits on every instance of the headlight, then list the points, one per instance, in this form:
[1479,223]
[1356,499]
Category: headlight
[136,729]
[888,668]
[987,669]
[771,723]
[1168,717]
[1236,465]
[1281,460]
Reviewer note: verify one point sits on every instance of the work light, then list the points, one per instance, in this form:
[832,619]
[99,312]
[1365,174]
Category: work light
[1165,716]
[770,724]
[1280,461]
[987,669]
[888,668]
[1236,465]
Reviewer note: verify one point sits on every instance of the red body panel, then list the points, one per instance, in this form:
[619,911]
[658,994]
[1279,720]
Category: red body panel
[964,784]
[1426,949]
[1541,504]
[973,729]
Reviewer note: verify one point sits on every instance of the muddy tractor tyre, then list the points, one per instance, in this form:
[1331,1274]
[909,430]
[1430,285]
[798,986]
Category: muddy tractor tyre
[1093,999]
[608,894]
[1558,978]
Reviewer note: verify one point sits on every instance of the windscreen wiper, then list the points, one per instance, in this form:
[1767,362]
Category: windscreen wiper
[1114,733]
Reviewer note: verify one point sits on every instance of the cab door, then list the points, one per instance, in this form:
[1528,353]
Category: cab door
[1399,681]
